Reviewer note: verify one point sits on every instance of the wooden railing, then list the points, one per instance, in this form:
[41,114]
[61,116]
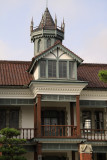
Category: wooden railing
[58,131]
[94,134]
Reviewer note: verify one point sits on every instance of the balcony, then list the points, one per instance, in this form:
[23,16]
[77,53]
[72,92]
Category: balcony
[63,131]
[59,131]
[94,134]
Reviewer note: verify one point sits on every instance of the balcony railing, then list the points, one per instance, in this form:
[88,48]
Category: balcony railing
[94,134]
[58,131]
[63,131]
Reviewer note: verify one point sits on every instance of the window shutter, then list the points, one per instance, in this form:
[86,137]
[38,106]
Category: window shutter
[2,119]
[14,119]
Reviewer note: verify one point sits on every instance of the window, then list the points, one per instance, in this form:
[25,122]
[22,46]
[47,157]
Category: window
[101,156]
[39,45]
[99,120]
[9,118]
[72,70]
[62,69]
[86,119]
[48,43]
[42,69]
[57,69]
[2,119]
[51,69]
[14,119]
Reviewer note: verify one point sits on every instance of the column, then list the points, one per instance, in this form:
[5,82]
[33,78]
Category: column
[35,120]
[78,115]
[85,152]
[39,115]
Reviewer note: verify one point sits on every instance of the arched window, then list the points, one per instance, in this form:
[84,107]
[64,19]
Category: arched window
[39,45]
[48,43]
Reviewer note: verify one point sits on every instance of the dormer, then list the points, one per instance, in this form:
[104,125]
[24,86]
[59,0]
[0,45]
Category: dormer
[57,62]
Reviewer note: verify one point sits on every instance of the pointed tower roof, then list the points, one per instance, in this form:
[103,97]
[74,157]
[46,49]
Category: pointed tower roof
[47,21]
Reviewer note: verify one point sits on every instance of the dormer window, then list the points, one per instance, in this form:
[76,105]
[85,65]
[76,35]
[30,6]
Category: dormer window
[52,69]
[42,69]
[57,69]
[62,69]
[39,45]
[48,43]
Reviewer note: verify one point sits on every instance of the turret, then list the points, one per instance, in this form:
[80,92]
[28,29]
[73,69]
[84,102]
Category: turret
[47,33]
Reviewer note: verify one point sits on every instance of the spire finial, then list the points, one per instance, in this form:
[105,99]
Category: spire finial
[46,3]
[31,26]
[55,21]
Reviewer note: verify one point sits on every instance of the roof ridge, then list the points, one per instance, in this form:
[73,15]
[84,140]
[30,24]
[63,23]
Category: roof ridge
[12,61]
[94,64]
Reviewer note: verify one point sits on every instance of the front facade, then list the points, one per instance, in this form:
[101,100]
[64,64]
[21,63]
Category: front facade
[57,102]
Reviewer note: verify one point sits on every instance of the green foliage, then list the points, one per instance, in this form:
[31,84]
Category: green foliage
[11,148]
[103,75]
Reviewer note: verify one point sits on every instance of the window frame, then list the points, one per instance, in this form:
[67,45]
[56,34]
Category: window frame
[7,116]
[57,69]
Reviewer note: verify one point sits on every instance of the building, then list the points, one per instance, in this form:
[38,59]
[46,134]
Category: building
[56,101]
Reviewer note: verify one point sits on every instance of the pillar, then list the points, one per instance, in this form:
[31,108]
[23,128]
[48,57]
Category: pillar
[78,115]
[85,152]
[39,115]
[35,120]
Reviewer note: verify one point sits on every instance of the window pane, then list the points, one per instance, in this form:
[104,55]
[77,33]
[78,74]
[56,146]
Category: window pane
[98,120]
[51,69]
[2,119]
[14,119]
[42,69]
[86,119]
[71,70]
[62,69]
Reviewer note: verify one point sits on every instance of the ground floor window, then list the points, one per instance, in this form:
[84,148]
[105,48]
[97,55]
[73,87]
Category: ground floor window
[101,156]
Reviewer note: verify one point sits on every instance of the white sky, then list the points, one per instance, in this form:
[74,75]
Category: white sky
[85,27]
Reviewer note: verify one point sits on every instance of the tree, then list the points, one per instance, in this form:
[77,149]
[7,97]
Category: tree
[103,75]
[11,147]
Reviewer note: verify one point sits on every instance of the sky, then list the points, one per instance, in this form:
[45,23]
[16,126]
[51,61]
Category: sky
[85,27]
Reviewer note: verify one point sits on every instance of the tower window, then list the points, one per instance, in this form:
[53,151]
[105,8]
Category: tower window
[39,45]
[48,43]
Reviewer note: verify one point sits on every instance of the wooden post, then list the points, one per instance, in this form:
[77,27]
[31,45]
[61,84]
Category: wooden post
[78,115]
[39,115]
[35,120]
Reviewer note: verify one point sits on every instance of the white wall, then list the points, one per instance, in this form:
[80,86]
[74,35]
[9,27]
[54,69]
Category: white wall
[27,117]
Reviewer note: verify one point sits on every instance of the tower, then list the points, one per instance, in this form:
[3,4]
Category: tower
[47,33]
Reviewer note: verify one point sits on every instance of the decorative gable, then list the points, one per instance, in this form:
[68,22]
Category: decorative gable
[57,51]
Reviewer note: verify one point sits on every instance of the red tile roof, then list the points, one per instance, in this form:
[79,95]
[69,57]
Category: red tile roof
[89,72]
[13,73]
